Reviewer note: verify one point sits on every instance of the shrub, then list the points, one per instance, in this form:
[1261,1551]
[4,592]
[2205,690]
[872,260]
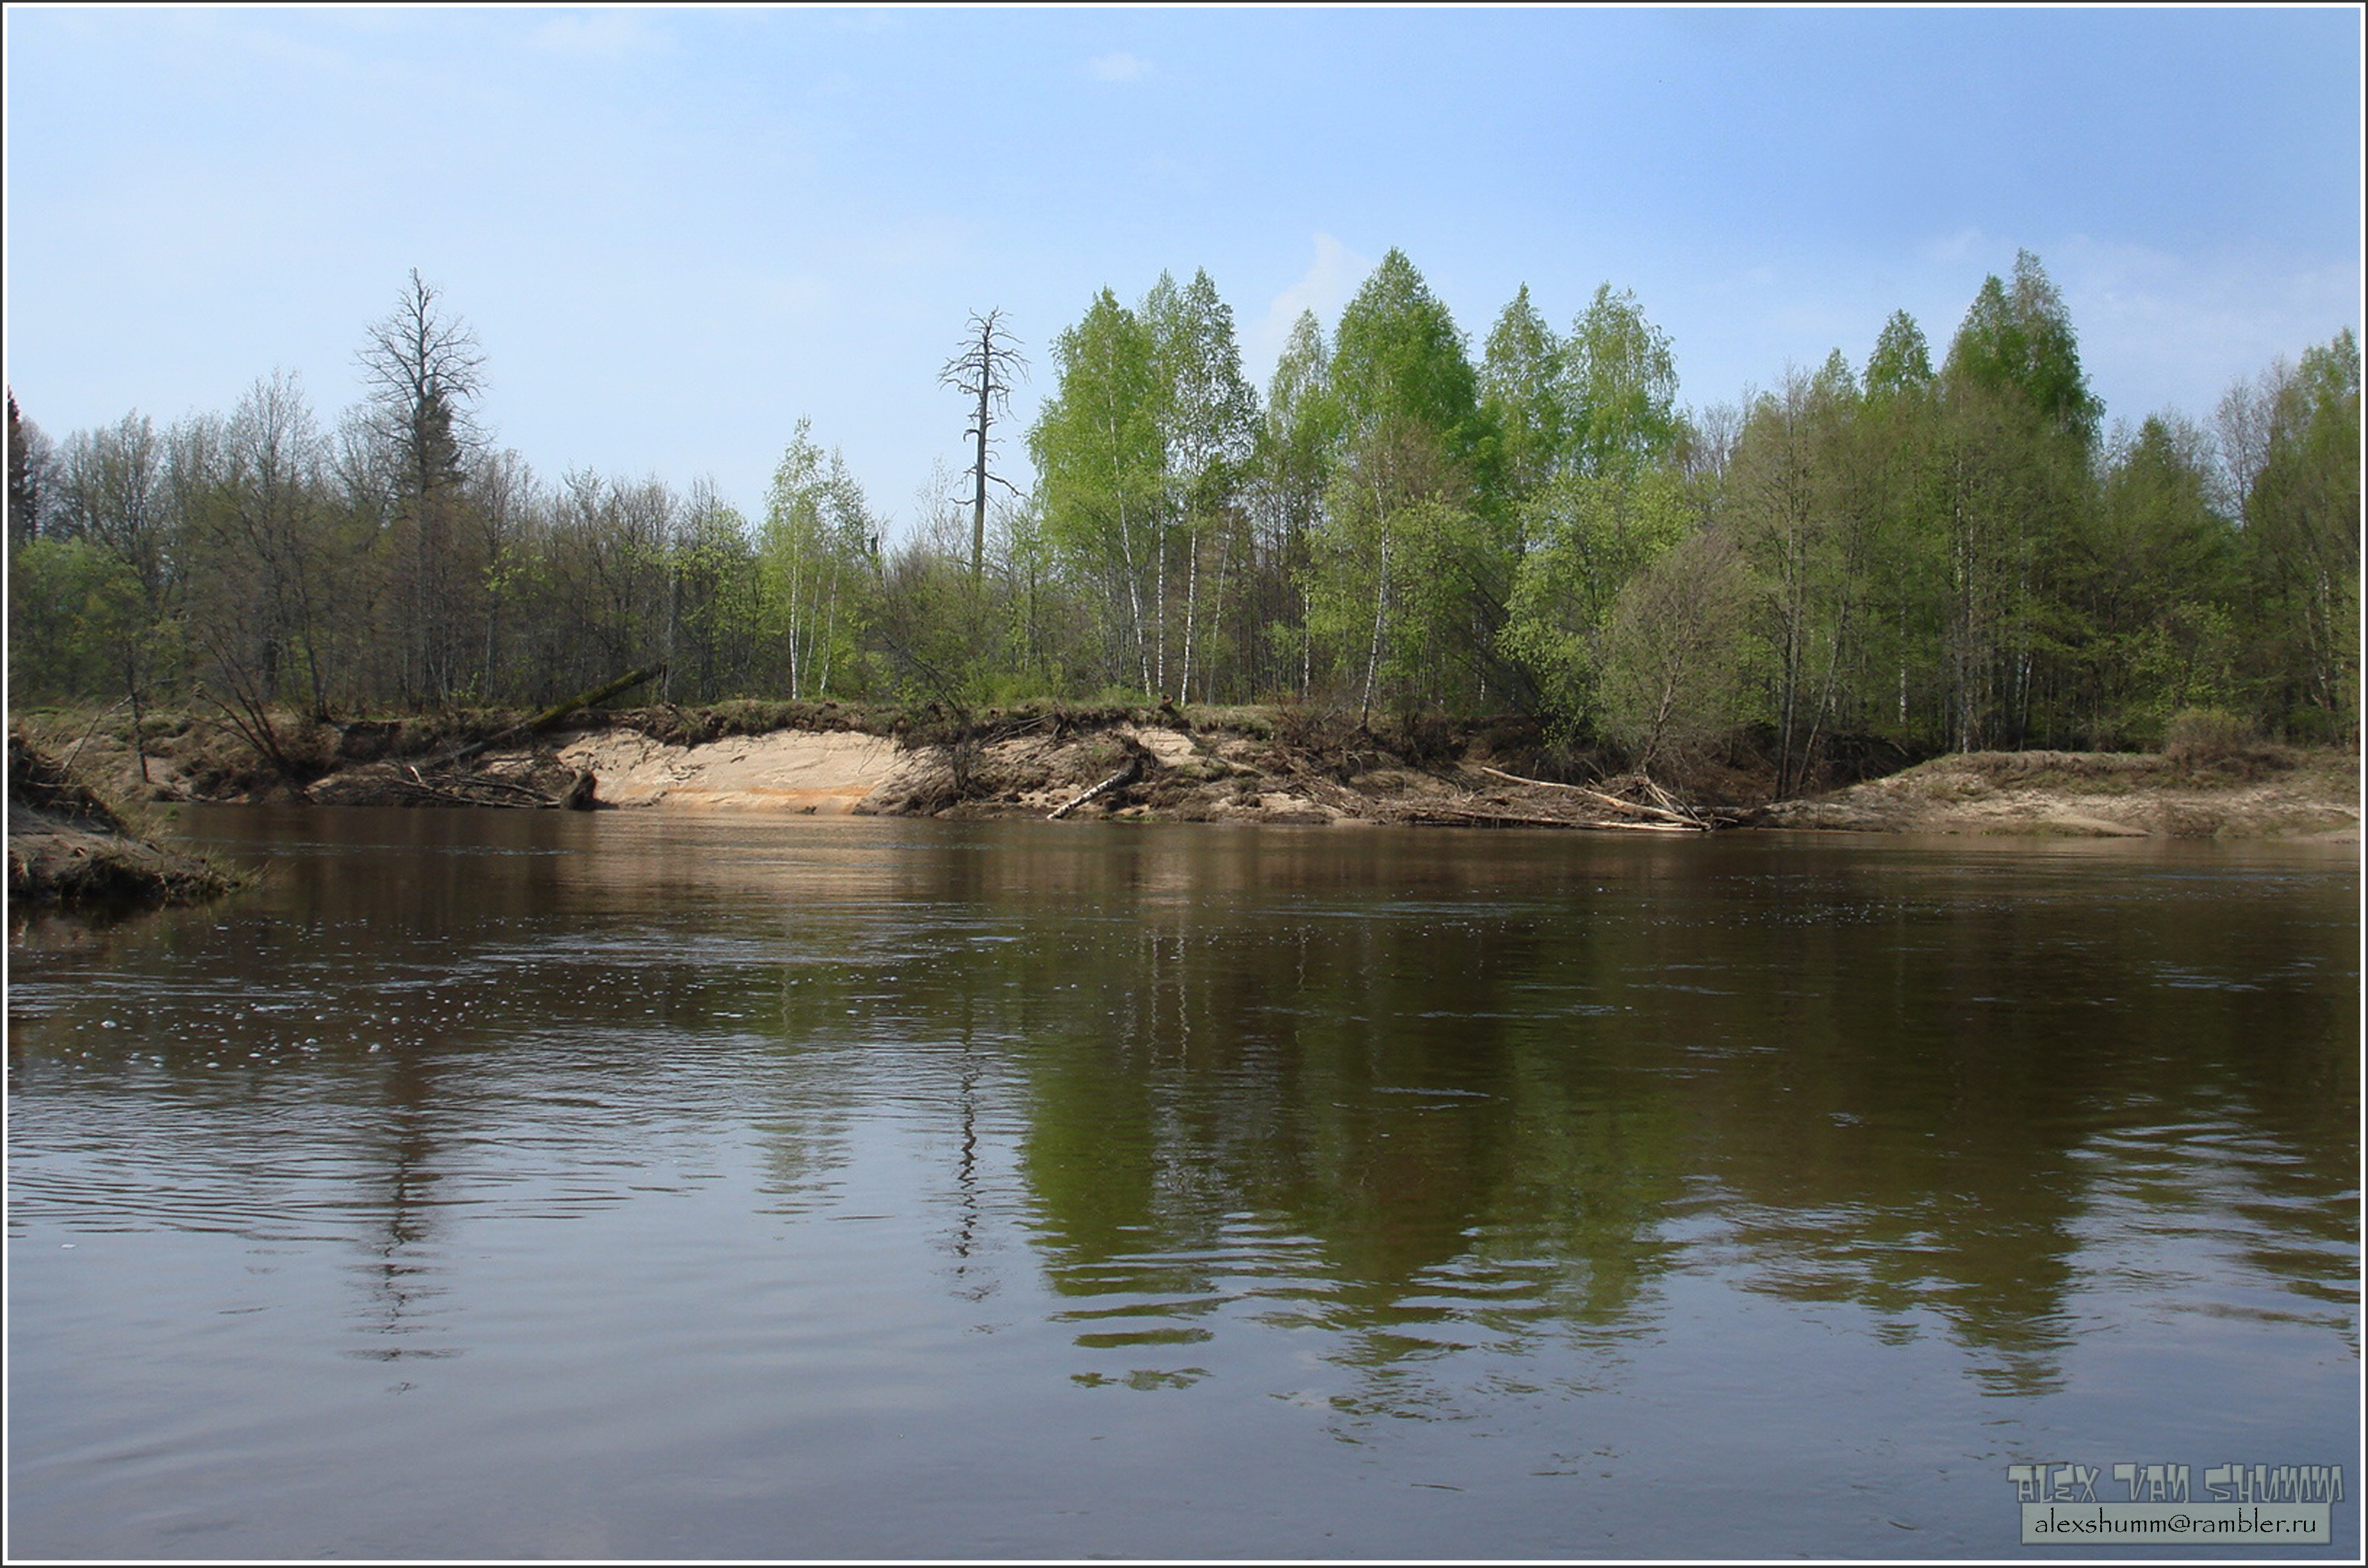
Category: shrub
[2313,727]
[2214,738]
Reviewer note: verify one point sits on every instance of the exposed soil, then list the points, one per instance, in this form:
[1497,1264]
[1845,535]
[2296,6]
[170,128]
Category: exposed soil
[67,848]
[1267,764]
[2264,793]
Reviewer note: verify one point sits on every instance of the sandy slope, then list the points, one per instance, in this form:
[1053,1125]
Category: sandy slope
[814,774]
[2092,795]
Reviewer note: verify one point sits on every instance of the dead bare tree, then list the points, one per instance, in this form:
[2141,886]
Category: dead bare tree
[989,359]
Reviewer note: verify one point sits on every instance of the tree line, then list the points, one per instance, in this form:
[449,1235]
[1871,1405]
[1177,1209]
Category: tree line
[1944,555]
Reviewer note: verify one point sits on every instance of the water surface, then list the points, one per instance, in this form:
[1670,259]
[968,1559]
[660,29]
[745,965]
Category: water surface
[656,1185]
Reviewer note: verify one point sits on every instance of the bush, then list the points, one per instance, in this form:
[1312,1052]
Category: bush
[1424,737]
[2313,727]
[2214,738]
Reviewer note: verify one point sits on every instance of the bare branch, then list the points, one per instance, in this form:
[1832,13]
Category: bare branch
[984,370]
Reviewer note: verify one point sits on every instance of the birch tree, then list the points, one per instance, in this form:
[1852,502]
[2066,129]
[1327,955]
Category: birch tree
[1412,441]
[2302,540]
[813,559]
[1101,471]
[1520,372]
[1299,440]
[1206,416]
[1610,501]
[2020,423]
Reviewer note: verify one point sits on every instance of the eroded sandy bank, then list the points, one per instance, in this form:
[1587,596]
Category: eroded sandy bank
[1214,777]
[791,770]
[1284,765]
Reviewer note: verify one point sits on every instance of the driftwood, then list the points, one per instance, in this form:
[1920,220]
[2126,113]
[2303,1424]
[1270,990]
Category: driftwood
[1136,755]
[448,779]
[1464,816]
[1669,810]
[479,789]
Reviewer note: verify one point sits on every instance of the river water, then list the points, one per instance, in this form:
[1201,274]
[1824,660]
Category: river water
[513,1185]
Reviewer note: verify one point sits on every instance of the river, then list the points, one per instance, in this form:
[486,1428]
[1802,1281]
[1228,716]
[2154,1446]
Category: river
[675,1185]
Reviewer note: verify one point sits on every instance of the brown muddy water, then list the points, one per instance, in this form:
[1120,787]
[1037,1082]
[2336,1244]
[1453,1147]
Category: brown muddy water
[514,1184]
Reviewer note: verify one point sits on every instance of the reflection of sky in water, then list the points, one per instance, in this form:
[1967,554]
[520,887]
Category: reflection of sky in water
[714,1182]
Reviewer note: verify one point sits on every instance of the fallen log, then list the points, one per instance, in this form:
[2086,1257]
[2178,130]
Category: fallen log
[478,789]
[553,714]
[1119,780]
[1452,816]
[443,778]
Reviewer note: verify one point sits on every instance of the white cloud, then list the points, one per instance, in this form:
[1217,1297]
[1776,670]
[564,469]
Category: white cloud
[1120,67]
[1326,284]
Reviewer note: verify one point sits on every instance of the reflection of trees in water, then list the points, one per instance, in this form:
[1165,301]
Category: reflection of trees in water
[800,1107]
[1429,1104]
[1955,1138]
[1333,1126]
[885,1023]
[967,1239]
[404,1206]
[1867,1097]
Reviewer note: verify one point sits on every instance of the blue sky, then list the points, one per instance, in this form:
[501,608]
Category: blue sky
[677,231]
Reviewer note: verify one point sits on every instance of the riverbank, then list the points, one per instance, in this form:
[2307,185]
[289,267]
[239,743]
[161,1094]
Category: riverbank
[2266,792]
[1246,765]
[66,846]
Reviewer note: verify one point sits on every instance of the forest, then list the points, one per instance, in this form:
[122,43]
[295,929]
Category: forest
[1941,550]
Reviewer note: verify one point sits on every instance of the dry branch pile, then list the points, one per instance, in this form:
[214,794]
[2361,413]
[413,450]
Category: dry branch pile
[1539,802]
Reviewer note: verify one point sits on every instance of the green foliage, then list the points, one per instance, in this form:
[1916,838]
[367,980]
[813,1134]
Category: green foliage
[938,626]
[1805,499]
[1901,361]
[717,605]
[2018,343]
[1299,442]
[1206,412]
[1398,360]
[1929,560]
[1405,582]
[1101,471]
[1520,396]
[2302,541]
[1589,538]
[75,610]
[813,567]
[2150,589]
[2012,441]
[1208,422]
[1620,389]
[1389,605]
